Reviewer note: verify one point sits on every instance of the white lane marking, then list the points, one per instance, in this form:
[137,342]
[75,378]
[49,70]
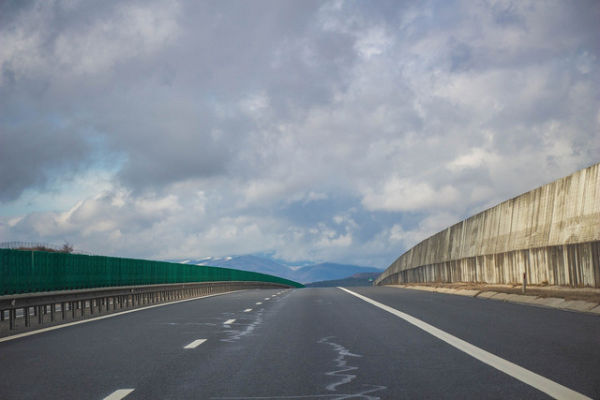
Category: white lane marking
[20,335]
[542,384]
[247,310]
[306,396]
[118,394]
[195,344]
[267,298]
[258,303]
[229,322]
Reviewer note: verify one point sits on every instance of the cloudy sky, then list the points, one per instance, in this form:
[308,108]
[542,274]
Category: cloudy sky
[342,131]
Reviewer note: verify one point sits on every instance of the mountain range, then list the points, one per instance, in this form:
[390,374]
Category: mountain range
[303,273]
[360,279]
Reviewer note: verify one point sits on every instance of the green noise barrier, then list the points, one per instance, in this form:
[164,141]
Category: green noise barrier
[24,271]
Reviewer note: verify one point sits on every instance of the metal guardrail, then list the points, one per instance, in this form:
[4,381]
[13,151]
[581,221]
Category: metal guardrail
[30,311]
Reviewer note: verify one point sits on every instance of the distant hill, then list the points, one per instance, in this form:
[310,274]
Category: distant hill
[330,271]
[250,263]
[303,274]
[361,279]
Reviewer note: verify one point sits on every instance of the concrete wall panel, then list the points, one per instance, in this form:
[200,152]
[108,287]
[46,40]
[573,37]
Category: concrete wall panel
[552,233]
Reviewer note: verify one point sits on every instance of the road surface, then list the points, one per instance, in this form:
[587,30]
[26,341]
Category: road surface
[322,343]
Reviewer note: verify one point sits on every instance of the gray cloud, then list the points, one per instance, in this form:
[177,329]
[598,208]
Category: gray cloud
[328,130]
[33,150]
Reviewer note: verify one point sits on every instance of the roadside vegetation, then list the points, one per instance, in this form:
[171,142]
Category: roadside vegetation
[26,246]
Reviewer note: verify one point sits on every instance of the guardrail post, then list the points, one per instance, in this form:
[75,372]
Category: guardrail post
[12,315]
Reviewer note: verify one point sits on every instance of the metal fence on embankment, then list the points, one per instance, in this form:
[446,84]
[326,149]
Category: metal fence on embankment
[36,271]
[40,288]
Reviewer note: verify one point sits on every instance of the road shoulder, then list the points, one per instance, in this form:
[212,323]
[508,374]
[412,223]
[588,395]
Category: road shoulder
[580,300]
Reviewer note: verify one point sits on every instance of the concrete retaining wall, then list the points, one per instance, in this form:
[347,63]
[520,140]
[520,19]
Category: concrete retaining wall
[552,233]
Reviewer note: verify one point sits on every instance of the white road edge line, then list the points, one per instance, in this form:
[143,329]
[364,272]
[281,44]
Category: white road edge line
[51,328]
[247,310]
[229,321]
[542,384]
[118,394]
[195,344]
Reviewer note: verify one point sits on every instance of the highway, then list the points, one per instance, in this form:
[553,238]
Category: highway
[324,343]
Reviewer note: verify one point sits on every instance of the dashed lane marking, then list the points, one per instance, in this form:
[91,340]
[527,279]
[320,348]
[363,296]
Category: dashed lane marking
[118,394]
[542,384]
[258,303]
[229,322]
[195,344]
[247,310]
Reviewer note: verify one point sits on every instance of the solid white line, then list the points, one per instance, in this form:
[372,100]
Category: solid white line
[194,344]
[118,394]
[247,310]
[542,384]
[51,328]
[258,303]
[229,321]
[310,396]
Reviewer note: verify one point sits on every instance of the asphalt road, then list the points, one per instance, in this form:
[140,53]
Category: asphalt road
[307,344]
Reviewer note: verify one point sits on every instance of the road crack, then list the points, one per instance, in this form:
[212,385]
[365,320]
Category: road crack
[343,373]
